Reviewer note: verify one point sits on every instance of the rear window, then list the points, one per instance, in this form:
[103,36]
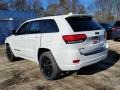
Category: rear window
[83,24]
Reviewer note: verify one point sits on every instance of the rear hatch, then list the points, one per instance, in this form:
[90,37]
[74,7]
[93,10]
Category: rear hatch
[88,35]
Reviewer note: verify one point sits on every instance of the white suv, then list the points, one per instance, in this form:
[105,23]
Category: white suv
[59,43]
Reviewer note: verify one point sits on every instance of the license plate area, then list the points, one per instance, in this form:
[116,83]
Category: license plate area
[95,39]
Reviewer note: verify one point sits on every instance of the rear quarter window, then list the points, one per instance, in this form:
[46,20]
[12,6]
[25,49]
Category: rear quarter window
[83,24]
[48,26]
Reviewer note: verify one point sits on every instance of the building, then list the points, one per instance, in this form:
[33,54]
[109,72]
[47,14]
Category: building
[11,20]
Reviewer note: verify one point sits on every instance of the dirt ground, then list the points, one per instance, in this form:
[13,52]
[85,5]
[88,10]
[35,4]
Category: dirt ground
[25,75]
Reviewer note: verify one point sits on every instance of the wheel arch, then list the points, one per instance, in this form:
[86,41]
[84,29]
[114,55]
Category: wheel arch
[42,50]
[6,44]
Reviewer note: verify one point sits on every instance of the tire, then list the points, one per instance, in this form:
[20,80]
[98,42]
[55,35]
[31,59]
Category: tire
[10,54]
[48,66]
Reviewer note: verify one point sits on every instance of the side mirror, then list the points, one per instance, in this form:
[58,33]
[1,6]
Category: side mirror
[13,32]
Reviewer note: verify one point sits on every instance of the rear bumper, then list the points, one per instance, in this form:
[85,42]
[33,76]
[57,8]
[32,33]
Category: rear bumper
[65,57]
[103,55]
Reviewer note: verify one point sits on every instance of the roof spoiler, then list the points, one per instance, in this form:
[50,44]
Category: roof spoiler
[79,15]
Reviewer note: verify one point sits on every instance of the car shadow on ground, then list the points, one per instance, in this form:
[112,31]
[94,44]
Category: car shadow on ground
[116,40]
[112,58]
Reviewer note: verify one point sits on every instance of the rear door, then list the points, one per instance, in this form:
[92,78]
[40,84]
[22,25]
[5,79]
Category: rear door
[95,40]
[49,33]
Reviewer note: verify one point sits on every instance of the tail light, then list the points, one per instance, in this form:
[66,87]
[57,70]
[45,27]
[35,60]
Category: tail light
[114,29]
[77,38]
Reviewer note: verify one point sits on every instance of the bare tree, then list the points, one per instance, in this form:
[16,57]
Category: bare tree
[65,7]
[104,10]
[74,6]
[37,7]
[52,9]
[20,5]
[81,9]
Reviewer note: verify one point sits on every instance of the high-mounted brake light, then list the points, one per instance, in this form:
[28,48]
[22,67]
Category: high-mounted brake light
[76,38]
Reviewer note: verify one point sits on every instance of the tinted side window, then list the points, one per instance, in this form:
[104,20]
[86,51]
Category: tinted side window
[48,26]
[34,28]
[24,29]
